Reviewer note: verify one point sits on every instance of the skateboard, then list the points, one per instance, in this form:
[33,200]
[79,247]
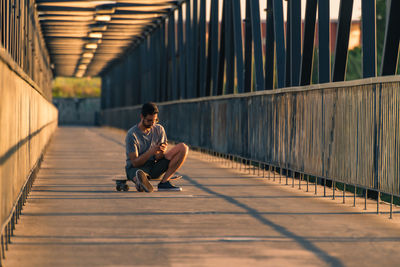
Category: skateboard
[121,184]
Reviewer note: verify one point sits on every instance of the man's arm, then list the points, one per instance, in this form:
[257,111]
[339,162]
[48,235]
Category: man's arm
[160,153]
[138,161]
[163,144]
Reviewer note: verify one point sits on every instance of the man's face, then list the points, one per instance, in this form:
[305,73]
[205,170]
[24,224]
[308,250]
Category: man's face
[149,120]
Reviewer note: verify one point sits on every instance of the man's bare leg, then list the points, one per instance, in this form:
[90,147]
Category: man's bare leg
[176,156]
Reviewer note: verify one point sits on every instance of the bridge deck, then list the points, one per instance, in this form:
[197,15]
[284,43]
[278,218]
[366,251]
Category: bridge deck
[75,217]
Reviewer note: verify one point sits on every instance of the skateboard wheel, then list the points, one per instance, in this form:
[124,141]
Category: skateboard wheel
[118,187]
[125,188]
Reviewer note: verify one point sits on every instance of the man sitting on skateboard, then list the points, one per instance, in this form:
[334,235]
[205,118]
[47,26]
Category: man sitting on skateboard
[147,155]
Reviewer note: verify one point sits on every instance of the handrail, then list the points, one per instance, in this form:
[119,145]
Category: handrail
[345,131]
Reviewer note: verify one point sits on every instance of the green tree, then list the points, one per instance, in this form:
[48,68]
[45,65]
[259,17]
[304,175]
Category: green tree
[354,60]
[76,87]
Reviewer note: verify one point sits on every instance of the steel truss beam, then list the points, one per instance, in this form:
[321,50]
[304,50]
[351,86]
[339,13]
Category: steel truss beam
[193,53]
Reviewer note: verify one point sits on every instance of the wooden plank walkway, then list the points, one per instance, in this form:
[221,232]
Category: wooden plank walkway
[75,217]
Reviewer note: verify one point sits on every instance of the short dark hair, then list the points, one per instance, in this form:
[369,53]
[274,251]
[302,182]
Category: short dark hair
[149,109]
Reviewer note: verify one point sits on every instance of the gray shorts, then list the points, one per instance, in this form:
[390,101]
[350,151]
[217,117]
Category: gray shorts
[153,168]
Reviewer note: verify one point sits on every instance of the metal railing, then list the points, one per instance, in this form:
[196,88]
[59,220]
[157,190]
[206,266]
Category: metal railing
[28,118]
[345,132]
[21,38]
[268,171]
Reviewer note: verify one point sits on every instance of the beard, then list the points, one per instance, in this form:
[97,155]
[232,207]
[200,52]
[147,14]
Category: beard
[147,126]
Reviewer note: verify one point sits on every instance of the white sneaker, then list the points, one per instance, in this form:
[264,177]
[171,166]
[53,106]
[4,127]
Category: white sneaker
[142,181]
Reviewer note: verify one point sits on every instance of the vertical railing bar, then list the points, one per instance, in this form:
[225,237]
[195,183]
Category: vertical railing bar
[316,185]
[293,174]
[2,247]
[391,206]
[274,172]
[287,176]
[344,193]
[378,199]
[334,189]
[365,202]
[355,194]
[7,235]
[263,170]
[6,238]
[300,175]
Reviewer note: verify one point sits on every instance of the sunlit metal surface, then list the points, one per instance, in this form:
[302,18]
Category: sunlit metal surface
[75,29]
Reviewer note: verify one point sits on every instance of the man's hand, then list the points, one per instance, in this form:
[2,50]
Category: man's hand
[156,150]
[159,154]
